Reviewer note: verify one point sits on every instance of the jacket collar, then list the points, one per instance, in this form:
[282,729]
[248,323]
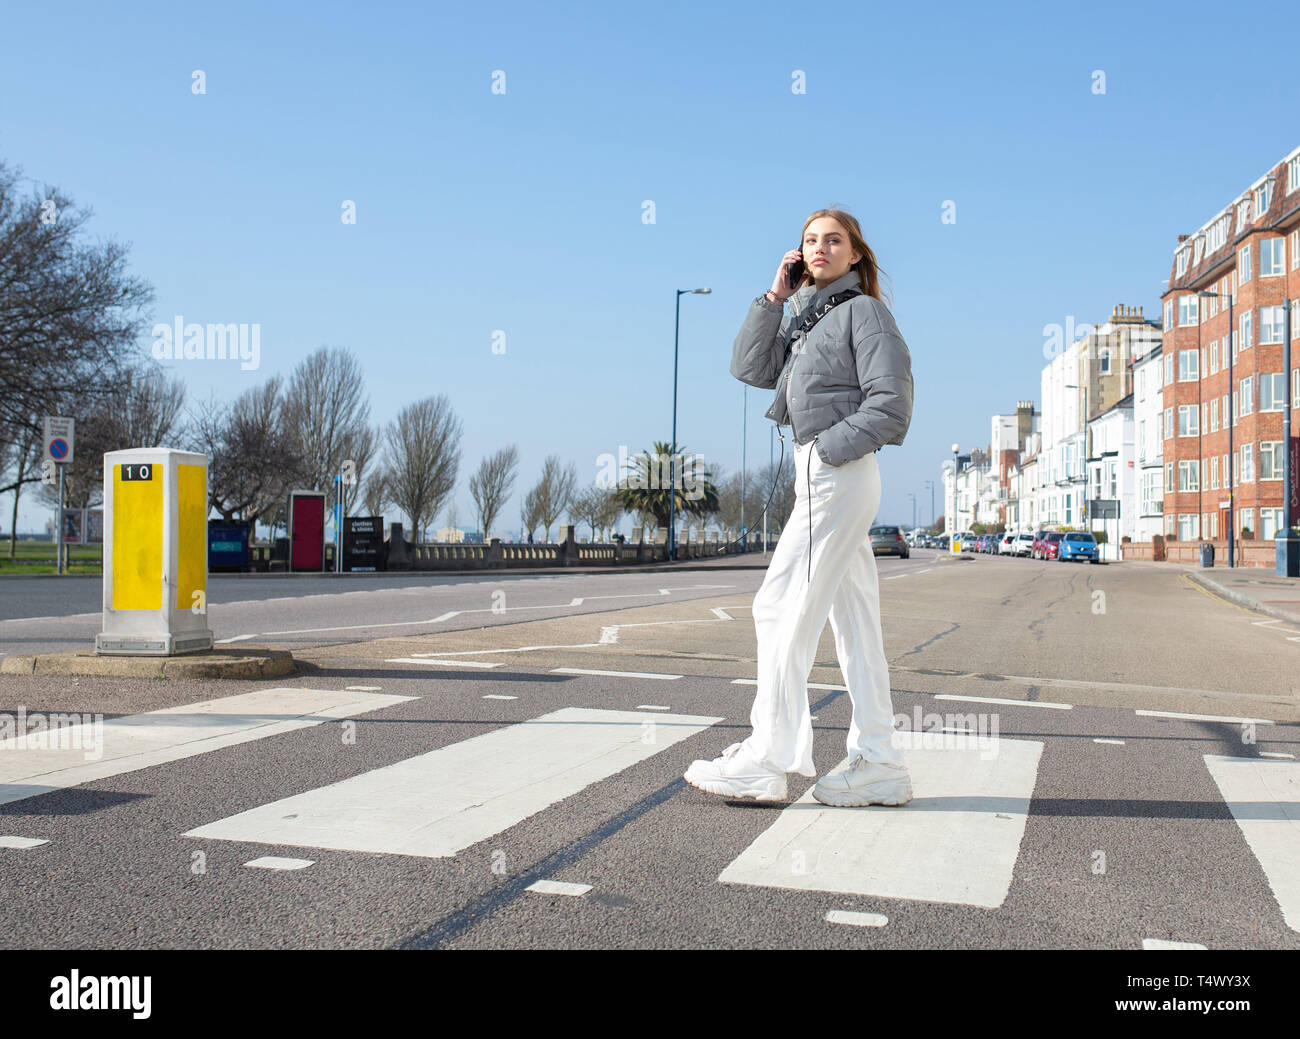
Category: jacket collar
[810,296]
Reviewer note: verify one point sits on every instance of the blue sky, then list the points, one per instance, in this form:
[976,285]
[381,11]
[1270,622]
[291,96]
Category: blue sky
[478,211]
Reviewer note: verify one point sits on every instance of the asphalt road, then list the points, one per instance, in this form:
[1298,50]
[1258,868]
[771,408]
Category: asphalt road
[1077,822]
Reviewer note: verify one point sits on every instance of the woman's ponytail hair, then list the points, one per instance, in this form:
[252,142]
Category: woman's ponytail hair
[868,270]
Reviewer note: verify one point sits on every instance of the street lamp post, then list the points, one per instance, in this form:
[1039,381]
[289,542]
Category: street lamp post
[930,484]
[913,497]
[952,533]
[744,399]
[672,450]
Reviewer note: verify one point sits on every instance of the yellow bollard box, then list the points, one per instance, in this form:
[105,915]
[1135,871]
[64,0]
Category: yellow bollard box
[155,553]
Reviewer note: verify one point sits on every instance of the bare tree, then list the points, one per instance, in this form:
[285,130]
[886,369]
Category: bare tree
[69,313]
[422,459]
[376,492]
[492,485]
[141,411]
[327,415]
[587,506]
[20,464]
[252,460]
[554,490]
[532,510]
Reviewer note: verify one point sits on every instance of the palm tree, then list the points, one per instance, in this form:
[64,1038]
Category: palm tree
[646,487]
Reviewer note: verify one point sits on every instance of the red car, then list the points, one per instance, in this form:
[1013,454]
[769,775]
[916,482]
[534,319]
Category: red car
[1047,545]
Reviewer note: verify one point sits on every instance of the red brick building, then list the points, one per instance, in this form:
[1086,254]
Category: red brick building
[1249,251]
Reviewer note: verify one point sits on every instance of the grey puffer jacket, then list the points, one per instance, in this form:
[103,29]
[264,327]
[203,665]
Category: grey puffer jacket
[850,387]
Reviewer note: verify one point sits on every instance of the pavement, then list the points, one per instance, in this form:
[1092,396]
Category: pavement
[1254,587]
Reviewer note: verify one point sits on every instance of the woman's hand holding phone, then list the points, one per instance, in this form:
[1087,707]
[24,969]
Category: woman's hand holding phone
[782,285]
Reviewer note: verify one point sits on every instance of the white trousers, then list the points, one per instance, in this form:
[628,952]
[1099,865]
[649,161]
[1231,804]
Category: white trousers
[791,609]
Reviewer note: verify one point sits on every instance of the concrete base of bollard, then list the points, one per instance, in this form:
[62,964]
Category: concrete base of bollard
[242,662]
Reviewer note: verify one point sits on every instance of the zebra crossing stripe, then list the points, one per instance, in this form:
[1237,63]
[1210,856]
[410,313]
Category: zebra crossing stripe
[956,841]
[139,741]
[439,803]
[1264,798]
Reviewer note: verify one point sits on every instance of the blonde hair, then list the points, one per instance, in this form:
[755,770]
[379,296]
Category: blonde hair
[868,270]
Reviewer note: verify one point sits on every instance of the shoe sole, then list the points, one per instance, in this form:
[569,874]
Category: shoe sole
[723,790]
[849,799]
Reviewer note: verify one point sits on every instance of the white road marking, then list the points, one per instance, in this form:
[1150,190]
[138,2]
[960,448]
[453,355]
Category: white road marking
[609,634]
[499,696]
[449,663]
[234,638]
[1163,943]
[610,674]
[7,841]
[811,685]
[173,733]
[1275,754]
[1264,798]
[997,699]
[721,614]
[844,916]
[651,707]
[1116,742]
[956,842]
[363,688]
[895,577]
[926,570]
[439,803]
[362,627]
[557,887]
[1203,717]
[276,862]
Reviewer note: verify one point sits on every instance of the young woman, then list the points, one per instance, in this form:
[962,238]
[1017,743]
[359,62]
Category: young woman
[845,387]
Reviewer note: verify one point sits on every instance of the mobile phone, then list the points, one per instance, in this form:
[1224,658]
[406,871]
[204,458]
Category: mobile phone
[794,272]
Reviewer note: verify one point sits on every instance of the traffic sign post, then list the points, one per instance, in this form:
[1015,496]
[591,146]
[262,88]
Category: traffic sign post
[155,553]
[59,441]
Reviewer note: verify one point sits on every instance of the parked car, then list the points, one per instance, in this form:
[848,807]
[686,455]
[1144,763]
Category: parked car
[1024,544]
[1007,544]
[1038,543]
[1078,544]
[967,540]
[888,541]
[1049,544]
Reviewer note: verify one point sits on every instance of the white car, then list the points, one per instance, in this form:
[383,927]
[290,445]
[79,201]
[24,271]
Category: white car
[1024,544]
[1007,545]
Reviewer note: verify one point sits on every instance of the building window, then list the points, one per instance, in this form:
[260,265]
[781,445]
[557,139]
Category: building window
[1214,357]
[1182,262]
[1151,494]
[1218,233]
[1295,318]
[1186,311]
[1246,400]
[1271,460]
[1293,175]
[1169,523]
[1271,391]
[1187,421]
[1169,423]
[1198,250]
[1188,369]
[1214,473]
[1189,476]
[1272,259]
[1270,523]
[1214,415]
[1270,324]
[1169,369]
[1247,518]
[1247,463]
[1225,471]
[1169,314]
[1169,477]
[1243,265]
[1263,196]
[1243,213]
[1224,398]
[1187,526]
[1247,332]
[1104,355]
[1295,249]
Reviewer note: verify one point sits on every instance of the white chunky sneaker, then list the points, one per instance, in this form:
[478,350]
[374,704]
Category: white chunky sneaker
[736,774]
[865,783]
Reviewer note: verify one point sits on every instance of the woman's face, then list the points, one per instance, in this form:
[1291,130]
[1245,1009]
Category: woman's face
[825,239]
